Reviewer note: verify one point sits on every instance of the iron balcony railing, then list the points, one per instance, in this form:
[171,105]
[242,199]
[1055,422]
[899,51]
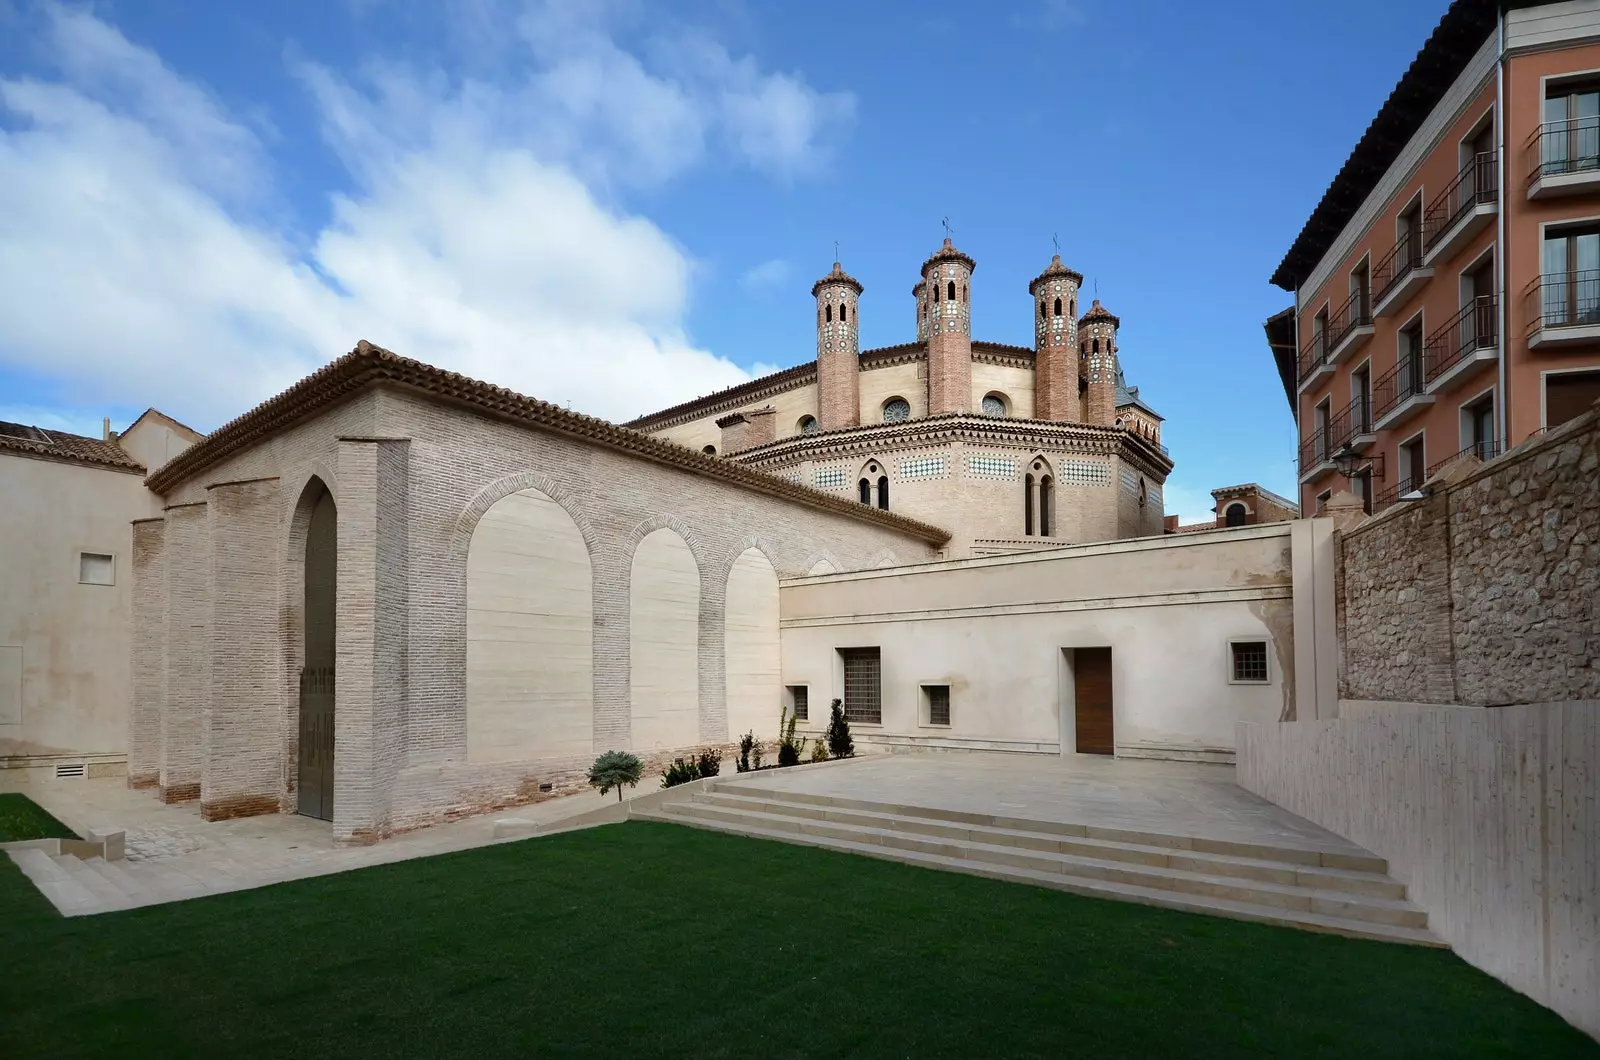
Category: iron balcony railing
[1476,185]
[1356,312]
[1398,263]
[1560,148]
[1392,495]
[1315,450]
[1352,420]
[1485,450]
[1314,354]
[1471,330]
[1563,300]
[1402,381]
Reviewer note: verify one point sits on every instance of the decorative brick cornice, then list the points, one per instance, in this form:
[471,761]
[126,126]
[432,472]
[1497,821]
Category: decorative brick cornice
[370,366]
[755,390]
[889,356]
[1003,354]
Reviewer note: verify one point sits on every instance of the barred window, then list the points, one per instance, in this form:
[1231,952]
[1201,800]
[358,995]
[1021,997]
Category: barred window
[938,698]
[923,467]
[994,405]
[991,467]
[863,679]
[896,410]
[800,701]
[1249,661]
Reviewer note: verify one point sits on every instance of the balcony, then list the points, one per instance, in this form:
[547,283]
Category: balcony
[1461,210]
[1351,326]
[1563,310]
[1456,352]
[1399,275]
[1564,158]
[1485,451]
[1404,490]
[1399,394]
[1352,426]
[1315,364]
[1316,456]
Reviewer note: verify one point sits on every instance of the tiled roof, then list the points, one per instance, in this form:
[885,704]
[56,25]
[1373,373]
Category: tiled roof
[368,365]
[71,448]
[1051,271]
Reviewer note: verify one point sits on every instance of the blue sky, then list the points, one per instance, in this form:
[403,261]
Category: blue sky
[620,205]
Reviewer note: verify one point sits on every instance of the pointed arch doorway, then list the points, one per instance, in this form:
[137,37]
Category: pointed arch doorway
[315,773]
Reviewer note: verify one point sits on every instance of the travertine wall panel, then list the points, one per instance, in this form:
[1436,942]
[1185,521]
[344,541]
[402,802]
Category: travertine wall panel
[241,772]
[530,632]
[1490,817]
[664,617]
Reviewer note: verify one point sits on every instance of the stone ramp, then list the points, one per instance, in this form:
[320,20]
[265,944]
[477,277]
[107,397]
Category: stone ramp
[1331,887]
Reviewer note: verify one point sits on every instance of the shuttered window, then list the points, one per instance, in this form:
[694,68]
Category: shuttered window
[863,681]
[938,704]
[800,696]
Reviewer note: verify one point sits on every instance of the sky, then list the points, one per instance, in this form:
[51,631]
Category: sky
[618,205]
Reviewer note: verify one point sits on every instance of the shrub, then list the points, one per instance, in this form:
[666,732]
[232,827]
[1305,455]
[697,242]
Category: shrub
[747,743]
[614,769]
[840,745]
[681,771]
[819,751]
[756,751]
[710,761]
[788,747]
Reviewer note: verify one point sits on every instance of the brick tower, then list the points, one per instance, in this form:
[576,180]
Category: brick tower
[1097,346]
[1055,300]
[838,298]
[922,313]
[946,277]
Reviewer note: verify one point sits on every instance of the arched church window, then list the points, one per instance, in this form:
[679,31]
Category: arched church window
[1083,347]
[896,410]
[1144,494]
[827,313]
[1235,515]
[936,293]
[808,425]
[951,297]
[1041,309]
[844,312]
[963,292]
[1047,503]
[1096,345]
[1058,307]
[865,488]
[883,492]
[994,405]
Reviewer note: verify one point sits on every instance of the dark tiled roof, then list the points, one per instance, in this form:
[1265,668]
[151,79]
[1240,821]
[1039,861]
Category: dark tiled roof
[1100,312]
[368,365]
[1054,269]
[948,252]
[1460,33]
[71,448]
[838,275]
[1280,340]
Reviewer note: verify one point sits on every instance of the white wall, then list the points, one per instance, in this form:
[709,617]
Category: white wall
[64,646]
[663,656]
[530,633]
[754,689]
[994,630]
[1491,817]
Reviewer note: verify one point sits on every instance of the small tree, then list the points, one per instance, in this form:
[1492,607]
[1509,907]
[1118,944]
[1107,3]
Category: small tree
[788,747]
[614,769]
[710,761]
[819,751]
[840,745]
[747,743]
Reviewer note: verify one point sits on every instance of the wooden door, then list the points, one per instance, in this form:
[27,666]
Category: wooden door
[1091,679]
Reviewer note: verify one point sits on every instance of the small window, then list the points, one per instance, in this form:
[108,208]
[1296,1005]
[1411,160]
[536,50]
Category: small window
[710,450]
[937,700]
[844,312]
[1249,662]
[883,492]
[808,425]
[95,568]
[1041,310]
[994,405]
[1322,500]
[1235,515]
[896,410]
[864,488]
[1058,307]
[952,295]
[863,679]
[800,702]
[827,313]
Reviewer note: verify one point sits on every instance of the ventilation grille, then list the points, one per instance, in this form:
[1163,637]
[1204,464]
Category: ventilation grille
[71,769]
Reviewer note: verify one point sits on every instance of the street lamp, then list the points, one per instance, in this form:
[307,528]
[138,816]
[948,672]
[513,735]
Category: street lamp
[1345,459]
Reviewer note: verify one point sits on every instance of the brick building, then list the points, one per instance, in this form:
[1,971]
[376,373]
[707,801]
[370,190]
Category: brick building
[1447,285]
[1009,447]
[1243,505]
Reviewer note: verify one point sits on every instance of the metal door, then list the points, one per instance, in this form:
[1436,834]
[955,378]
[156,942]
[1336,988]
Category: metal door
[316,774]
[316,742]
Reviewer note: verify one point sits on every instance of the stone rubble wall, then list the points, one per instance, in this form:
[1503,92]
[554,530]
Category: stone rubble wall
[1487,592]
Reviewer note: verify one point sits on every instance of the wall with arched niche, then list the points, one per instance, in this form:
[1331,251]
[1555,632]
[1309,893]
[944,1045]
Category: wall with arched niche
[530,630]
[664,615]
[753,662]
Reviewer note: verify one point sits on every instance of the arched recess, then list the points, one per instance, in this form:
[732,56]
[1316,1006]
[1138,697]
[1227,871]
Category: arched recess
[822,566]
[664,649]
[751,651]
[530,633]
[1236,515]
[315,531]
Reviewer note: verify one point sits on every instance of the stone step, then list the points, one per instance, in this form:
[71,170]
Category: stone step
[1380,910]
[54,882]
[126,882]
[1352,881]
[1330,922]
[108,895]
[1341,857]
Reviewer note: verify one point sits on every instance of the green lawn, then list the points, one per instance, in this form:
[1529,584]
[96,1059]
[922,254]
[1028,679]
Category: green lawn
[640,939]
[22,818]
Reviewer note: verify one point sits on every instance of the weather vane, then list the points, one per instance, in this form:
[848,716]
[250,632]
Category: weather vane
[1055,242]
[835,250]
[947,232]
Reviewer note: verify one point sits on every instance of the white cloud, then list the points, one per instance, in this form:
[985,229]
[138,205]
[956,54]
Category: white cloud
[1190,505]
[477,232]
[766,276]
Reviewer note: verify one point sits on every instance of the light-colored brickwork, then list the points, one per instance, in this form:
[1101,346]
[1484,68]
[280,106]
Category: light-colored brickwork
[188,650]
[838,346]
[149,663]
[241,722]
[1055,295]
[947,302]
[1097,345]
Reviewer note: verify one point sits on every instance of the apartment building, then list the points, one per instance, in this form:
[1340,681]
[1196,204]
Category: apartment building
[1447,285]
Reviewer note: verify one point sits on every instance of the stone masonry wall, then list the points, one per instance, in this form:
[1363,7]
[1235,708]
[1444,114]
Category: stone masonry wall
[1486,593]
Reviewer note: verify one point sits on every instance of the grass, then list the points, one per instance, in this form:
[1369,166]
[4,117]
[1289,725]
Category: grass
[22,818]
[643,940]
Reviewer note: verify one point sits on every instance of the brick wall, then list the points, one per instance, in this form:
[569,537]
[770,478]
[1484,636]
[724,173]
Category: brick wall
[1487,592]
[149,663]
[188,650]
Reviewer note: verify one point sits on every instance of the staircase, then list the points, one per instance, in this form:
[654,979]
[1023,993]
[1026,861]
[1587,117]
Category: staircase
[1329,890]
[78,887]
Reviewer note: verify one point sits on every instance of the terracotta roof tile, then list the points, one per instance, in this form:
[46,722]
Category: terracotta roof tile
[71,448]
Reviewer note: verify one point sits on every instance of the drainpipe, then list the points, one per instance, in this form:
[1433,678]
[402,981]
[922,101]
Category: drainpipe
[1501,256]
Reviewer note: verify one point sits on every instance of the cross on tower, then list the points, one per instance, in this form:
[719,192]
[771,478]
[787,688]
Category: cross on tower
[1055,242]
[948,231]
